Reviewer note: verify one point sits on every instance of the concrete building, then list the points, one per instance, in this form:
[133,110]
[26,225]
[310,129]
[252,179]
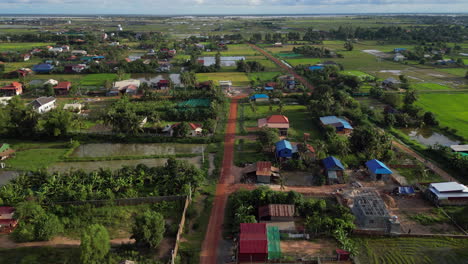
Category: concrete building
[448,193]
[43,104]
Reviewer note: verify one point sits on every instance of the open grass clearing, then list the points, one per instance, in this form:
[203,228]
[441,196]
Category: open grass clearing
[412,250]
[263,76]
[359,74]
[450,110]
[237,78]
[430,86]
[22,46]
[303,61]
[455,71]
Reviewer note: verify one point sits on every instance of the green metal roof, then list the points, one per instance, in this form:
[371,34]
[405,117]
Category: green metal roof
[4,147]
[274,247]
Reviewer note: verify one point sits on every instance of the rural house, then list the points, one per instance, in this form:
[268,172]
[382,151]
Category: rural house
[448,193]
[225,85]
[122,86]
[43,104]
[163,84]
[334,169]
[5,151]
[262,170]
[253,243]
[276,212]
[14,88]
[62,88]
[195,129]
[390,83]
[259,97]
[284,149]
[7,222]
[279,122]
[342,126]
[43,68]
[378,170]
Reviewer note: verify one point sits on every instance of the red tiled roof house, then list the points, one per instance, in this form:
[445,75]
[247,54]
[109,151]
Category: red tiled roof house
[280,122]
[62,88]
[15,88]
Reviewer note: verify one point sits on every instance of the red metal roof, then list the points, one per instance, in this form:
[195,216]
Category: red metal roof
[163,81]
[270,84]
[277,210]
[278,119]
[256,228]
[253,236]
[63,85]
[6,209]
[253,246]
[263,168]
[13,86]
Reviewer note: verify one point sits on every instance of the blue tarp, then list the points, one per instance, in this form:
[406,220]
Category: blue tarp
[332,163]
[316,67]
[406,190]
[259,96]
[269,88]
[377,167]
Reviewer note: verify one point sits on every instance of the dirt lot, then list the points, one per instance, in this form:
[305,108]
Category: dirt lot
[411,206]
[316,247]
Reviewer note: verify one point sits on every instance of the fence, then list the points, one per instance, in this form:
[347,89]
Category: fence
[180,231]
[127,201]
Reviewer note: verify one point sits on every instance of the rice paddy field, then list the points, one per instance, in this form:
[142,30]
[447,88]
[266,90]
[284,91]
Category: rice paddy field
[263,76]
[302,61]
[455,71]
[359,74]
[411,250]
[450,110]
[237,78]
[23,46]
[235,50]
[430,86]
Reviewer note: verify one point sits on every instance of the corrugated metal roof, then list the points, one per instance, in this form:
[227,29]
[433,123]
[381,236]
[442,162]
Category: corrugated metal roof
[335,121]
[278,119]
[277,210]
[253,246]
[332,162]
[459,148]
[377,167]
[263,168]
[449,187]
[283,144]
[255,228]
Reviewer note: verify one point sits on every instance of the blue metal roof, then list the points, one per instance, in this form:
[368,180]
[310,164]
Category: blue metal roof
[283,144]
[269,88]
[316,67]
[332,162]
[329,120]
[43,66]
[259,96]
[405,190]
[377,167]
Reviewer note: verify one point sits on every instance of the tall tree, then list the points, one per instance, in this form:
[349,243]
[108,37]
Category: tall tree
[149,228]
[95,244]
[58,122]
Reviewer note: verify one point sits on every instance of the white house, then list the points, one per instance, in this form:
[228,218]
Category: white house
[51,82]
[79,52]
[195,129]
[44,104]
[123,85]
[73,107]
[399,57]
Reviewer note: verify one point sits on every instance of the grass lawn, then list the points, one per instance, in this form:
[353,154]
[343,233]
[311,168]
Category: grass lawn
[299,119]
[455,71]
[34,155]
[412,176]
[412,250]
[235,50]
[99,79]
[359,74]
[22,46]
[263,76]
[237,78]
[450,110]
[266,63]
[430,86]
[303,61]
[246,151]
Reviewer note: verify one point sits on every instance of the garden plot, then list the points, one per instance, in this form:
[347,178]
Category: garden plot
[237,78]
[377,53]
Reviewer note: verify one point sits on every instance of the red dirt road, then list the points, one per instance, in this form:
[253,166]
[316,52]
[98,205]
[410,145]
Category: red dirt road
[208,254]
[286,68]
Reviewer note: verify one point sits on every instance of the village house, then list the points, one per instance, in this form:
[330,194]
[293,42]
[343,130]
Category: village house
[460,149]
[288,81]
[225,85]
[263,171]
[195,129]
[26,57]
[75,68]
[75,108]
[62,88]
[284,149]
[50,82]
[307,151]
[163,84]
[390,83]
[5,151]
[448,193]
[79,52]
[253,243]
[279,122]
[334,170]
[43,68]
[14,88]
[276,212]
[122,86]
[342,126]
[278,45]
[378,170]
[259,97]
[399,57]
[7,221]
[43,104]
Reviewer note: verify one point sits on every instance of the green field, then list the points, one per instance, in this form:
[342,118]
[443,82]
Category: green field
[455,71]
[410,250]
[99,79]
[235,50]
[33,156]
[359,74]
[450,110]
[263,76]
[430,86]
[303,61]
[23,46]
[237,78]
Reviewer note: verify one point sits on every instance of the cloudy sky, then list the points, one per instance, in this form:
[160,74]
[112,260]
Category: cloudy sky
[169,7]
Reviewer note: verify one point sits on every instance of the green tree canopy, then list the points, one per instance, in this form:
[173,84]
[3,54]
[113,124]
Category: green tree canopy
[94,245]
[149,228]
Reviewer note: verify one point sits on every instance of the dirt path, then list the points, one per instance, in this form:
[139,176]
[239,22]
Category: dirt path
[208,254]
[6,242]
[283,66]
[426,162]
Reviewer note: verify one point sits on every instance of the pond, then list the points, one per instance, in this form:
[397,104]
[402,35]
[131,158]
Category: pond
[113,149]
[429,137]
[156,77]
[5,176]
[89,166]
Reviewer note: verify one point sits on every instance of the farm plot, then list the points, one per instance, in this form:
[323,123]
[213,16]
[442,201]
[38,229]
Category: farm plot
[450,110]
[23,46]
[237,78]
[359,74]
[263,76]
[234,50]
[430,86]
[455,71]
[303,61]
[412,250]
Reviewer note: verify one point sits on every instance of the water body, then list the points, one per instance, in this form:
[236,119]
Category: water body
[89,166]
[156,77]
[429,137]
[113,149]
[5,176]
